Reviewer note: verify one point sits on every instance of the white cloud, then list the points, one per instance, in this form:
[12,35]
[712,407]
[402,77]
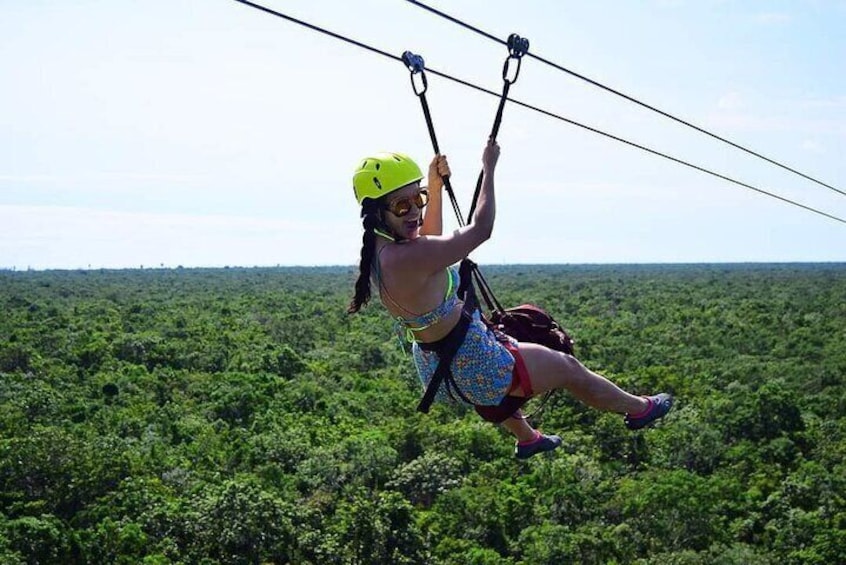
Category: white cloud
[774,18]
[102,176]
[730,101]
[740,122]
[832,102]
[30,178]
[73,237]
[812,146]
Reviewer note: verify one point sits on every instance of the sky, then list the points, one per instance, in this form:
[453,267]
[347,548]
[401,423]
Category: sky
[206,133]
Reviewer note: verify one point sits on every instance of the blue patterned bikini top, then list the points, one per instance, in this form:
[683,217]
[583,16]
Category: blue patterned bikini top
[421,322]
[440,312]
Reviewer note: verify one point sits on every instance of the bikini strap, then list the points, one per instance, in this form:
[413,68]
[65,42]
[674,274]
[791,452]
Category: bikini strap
[382,286]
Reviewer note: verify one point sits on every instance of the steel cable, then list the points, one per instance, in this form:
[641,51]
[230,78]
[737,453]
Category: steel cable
[632,99]
[540,110]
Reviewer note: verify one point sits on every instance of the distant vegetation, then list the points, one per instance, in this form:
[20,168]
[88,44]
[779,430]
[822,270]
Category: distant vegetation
[240,416]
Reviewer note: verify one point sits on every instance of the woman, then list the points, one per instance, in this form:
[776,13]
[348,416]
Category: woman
[406,254]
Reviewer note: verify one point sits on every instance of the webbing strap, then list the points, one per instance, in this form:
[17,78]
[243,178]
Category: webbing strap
[468,270]
[494,131]
[446,349]
[416,66]
[517,47]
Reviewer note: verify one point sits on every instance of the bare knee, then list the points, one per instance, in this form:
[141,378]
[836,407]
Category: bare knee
[549,369]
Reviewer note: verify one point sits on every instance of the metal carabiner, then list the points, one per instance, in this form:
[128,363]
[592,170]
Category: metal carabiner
[517,47]
[416,66]
[505,69]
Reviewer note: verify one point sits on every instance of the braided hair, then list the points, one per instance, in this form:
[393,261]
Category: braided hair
[371,223]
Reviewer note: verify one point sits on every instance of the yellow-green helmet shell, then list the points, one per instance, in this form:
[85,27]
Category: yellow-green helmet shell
[383,173]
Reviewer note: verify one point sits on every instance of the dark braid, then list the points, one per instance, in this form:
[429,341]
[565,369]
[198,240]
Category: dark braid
[368,248]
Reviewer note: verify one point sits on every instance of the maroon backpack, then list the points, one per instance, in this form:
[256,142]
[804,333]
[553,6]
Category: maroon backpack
[530,323]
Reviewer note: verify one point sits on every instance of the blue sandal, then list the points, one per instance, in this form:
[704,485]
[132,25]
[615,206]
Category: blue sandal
[659,405]
[540,444]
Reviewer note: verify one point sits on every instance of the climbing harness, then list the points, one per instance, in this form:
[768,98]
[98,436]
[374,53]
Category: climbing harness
[523,323]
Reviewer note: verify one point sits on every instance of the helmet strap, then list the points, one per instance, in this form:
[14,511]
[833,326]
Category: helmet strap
[386,235]
[385,231]
[371,208]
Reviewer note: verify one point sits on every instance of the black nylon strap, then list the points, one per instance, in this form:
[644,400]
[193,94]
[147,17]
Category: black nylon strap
[466,292]
[467,271]
[431,127]
[446,349]
[506,86]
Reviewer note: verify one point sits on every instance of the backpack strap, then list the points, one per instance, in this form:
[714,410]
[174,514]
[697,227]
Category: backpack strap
[466,291]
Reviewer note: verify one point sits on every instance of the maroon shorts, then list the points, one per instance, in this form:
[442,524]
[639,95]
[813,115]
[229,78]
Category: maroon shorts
[510,404]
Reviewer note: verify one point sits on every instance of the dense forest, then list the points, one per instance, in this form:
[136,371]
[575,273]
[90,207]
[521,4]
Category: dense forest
[241,416]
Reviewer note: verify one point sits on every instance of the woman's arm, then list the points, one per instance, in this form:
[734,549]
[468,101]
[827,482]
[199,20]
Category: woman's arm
[485,212]
[433,219]
[433,253]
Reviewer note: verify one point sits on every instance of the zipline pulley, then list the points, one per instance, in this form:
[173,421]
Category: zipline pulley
[415,65]
[517,47]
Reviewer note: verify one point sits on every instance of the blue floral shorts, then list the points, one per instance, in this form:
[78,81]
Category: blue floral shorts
[482,366]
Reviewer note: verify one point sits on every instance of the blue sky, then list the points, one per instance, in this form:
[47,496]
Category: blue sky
[206,133]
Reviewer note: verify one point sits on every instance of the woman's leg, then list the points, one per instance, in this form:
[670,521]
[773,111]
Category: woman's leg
[529,441]
[550,369]
[520,428]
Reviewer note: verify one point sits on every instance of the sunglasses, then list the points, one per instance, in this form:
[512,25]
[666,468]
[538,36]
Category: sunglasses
[402,206]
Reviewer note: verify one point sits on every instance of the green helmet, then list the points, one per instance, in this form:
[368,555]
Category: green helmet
[383,173]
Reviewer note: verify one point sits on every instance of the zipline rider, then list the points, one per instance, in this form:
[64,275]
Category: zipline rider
[405,252]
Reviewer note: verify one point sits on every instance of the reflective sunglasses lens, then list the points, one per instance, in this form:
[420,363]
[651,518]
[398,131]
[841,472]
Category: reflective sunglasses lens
[402,206]
[422,198]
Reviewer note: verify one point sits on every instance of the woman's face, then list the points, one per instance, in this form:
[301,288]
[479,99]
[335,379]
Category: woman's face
[404,210]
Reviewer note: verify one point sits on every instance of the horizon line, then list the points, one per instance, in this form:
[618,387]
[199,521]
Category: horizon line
[15,269]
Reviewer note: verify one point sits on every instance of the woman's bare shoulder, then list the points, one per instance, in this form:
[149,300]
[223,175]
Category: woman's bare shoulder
[430,254]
